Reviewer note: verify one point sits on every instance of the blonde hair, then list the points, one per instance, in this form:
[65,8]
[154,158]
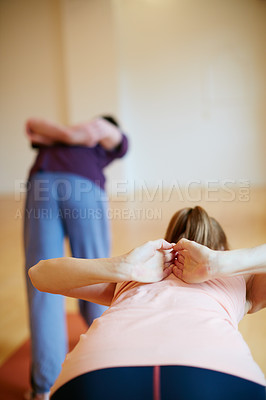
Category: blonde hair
[195,224]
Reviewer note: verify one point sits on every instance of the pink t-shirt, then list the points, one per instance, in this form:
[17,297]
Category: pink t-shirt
[168,323]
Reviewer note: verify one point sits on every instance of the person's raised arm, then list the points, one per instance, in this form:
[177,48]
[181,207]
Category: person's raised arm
[72,276]
[196,263]
[96,131]
[44,132]
[90,133]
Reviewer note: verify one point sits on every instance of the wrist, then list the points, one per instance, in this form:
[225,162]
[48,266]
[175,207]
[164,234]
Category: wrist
[216,263]
[74,135]
[123,268]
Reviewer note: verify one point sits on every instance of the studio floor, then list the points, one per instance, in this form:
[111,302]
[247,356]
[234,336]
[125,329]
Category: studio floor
[134,220]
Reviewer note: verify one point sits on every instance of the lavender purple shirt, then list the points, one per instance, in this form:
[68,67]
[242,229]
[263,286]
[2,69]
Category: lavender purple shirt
[87,162]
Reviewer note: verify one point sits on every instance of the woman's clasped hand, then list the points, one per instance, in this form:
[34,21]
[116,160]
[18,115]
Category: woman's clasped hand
[157,259]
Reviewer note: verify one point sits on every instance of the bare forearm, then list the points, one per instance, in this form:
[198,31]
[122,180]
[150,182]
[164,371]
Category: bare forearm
[59,275]
[74,276]
[55,132]
[88,133]
[101,293]
[96,131]
[243,261]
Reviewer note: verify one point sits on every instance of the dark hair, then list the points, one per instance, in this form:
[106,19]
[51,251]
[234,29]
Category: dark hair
[111,119]
[195,224]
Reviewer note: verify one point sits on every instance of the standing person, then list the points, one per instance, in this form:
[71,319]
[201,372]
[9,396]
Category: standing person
[65,198]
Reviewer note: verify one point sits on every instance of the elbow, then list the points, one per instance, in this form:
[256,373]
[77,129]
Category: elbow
[34,273]
[31,273]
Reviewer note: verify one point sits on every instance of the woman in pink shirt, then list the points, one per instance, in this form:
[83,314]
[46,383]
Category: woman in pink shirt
[171,331]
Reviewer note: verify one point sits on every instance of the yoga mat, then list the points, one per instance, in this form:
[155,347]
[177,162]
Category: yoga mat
[14,373]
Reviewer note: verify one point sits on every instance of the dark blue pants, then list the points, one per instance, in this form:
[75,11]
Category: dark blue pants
[159,383]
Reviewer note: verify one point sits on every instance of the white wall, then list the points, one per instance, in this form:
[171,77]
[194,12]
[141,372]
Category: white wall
[193,88]
[91,62]
[89,57]
[185,77]
[31,79]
